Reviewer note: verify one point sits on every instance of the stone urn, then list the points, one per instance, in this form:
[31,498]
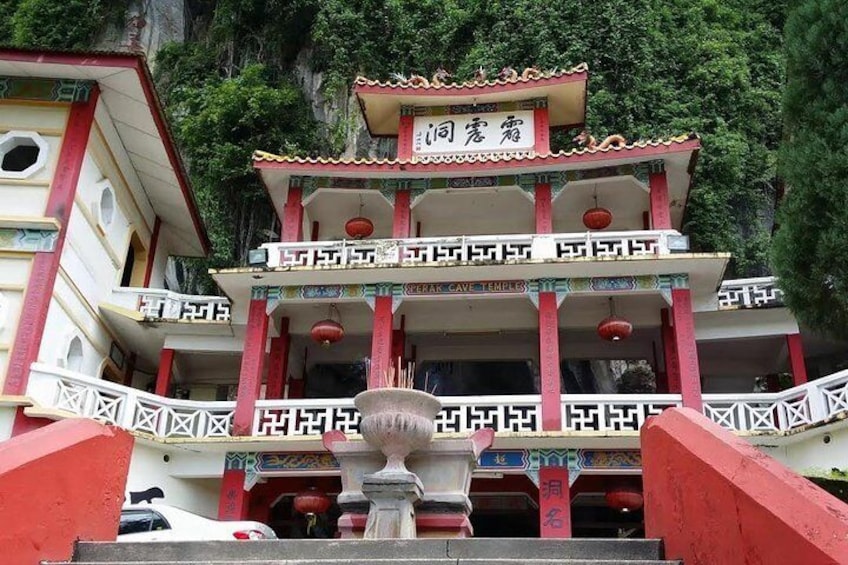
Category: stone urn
[397,421]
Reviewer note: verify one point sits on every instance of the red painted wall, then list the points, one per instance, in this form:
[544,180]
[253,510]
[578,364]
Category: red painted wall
[60,483]
[714,498]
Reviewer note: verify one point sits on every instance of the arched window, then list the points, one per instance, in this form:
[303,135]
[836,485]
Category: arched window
[135,264]
[74,355]
[22,154]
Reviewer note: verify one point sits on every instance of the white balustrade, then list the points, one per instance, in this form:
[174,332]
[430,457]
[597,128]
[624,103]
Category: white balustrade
[612,412]
[463,249]
[749,293]
[132,409]
[126,407]
[160,304]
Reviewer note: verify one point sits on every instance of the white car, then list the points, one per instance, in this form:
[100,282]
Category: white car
[158,522]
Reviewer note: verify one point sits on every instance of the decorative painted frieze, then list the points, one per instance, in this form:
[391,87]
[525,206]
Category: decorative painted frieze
[45,89]
[29,240]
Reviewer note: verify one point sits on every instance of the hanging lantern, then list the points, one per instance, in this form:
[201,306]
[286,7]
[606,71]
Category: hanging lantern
[624,499]
[328,331]
[614,328]
[310,503]
[597,218]
[359,227]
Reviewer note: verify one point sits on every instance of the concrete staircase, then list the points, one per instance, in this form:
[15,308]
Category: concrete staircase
[474,551]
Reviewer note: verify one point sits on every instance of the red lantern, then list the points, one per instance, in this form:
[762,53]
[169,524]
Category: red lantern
[597,218]
[359,227]
[327,332]
[311,501]
[624,499]
[614,328]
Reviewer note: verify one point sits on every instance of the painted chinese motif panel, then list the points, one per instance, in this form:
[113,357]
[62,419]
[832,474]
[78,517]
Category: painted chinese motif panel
[474,133]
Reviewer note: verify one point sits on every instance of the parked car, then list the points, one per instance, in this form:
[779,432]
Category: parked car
[159,522]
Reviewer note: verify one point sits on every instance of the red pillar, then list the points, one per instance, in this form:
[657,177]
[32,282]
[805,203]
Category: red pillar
[542,126]
[278,362]
[292,229]
[544,208]
[796,359]
[381,341]
[252,361]
[399,346]
[549,361]
[554,503]
[669,355]
[660,207]
[151,252]
[404,143]
[402,218]
[686,349]
[234,501]
[166,367]
[45,264]
[297,388]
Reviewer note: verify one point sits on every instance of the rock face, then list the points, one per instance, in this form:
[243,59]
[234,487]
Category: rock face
[147,26]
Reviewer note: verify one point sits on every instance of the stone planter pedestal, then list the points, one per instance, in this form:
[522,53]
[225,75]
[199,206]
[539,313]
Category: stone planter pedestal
[444,469]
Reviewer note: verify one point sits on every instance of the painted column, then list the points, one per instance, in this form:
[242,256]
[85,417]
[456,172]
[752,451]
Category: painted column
[292,228]
[686,350]
[796,359]
[402,216]
[541,123]
[554,503]
[549,361]
[544,208]
[234,501]
[660,207]
[278,362]
[381,341]
[151,252]
[669,355]
[45,264]
[166,368]
[252,362]
[405,130]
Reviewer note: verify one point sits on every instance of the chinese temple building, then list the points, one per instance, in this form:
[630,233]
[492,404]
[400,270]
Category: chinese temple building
[550,296]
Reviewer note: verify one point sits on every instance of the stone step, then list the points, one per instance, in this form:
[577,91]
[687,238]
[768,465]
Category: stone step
[505,550]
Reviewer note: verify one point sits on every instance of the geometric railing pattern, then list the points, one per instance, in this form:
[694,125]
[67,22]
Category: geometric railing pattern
[749,293]
[466,249]
[161,304]
[132,409]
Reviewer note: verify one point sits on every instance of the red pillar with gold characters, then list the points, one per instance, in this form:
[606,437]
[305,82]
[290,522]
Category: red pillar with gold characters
[381,341]
[292,220]
[549,361]
[660,207]
[544,208]
[554,503]
[252,363]
[686,350]
[402,219]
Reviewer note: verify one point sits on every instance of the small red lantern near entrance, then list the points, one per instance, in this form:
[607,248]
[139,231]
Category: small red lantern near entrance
[614,328]
[310,503]
[597,218]
[359,227]
[624,499]
[329,331]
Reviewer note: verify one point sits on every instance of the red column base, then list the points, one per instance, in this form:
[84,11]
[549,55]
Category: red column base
[429,525]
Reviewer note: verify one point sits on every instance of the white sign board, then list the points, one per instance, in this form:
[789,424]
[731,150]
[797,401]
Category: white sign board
[493,132]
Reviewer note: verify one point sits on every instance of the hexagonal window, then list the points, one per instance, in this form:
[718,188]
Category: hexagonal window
[107,205]
[22,154]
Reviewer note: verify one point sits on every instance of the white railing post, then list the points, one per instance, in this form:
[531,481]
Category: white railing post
[127,415]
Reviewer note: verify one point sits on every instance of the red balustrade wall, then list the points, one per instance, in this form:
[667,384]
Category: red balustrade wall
[714,498]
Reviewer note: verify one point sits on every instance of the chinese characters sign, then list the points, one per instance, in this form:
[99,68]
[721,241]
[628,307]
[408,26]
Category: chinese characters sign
[554,502]
[474,133]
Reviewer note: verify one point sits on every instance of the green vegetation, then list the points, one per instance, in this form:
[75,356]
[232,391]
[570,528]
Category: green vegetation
[810,251]
[69,24]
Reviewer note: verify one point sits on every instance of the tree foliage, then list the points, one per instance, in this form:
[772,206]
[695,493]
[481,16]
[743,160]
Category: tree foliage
[810,252]
[69,24]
